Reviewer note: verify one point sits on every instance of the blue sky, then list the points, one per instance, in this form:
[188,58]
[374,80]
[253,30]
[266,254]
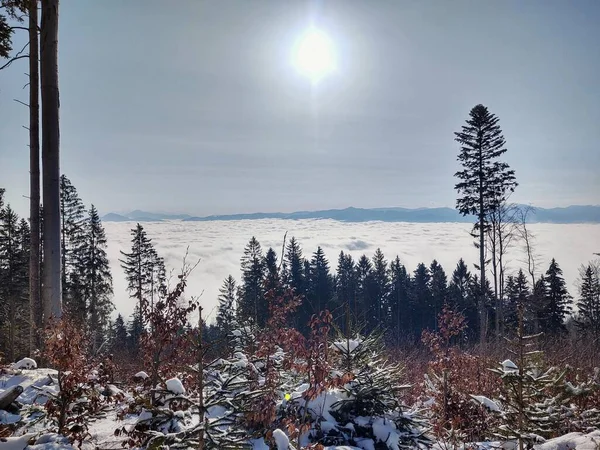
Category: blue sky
[195,106]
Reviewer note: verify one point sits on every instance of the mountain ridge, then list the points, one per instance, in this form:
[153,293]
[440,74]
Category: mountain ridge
[565,215]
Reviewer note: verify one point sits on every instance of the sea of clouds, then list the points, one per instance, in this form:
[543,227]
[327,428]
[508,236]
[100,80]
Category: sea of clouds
[219,245]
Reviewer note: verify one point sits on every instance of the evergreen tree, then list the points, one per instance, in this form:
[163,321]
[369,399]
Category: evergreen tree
[294,264]
[370,399]
[365,287]
[537,305]
[144,270]
[72,222]
[517,296]
[135,328]
[252,304]
[378,312]
[421,299]
[320,283]
[588,304]
[14,264]
[458,290]
[226,322]
[438,285]
[119,342]
[558,304]
[345,290]
[481,302]
[528,411]
[400,314]
[484,181]
[97,278]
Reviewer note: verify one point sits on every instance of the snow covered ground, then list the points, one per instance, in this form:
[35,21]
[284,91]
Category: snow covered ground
[220,245]
[102,432]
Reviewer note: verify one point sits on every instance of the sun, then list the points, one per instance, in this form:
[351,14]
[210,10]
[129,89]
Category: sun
[314,55]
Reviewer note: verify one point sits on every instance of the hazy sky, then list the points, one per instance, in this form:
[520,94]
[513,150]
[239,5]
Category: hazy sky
[195,106]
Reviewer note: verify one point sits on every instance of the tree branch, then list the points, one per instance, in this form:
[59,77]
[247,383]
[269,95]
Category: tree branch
[12,60]
[22,103]
[19,28]
[19,55]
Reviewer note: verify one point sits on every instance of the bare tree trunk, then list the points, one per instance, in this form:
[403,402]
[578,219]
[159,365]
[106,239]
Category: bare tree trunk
[201,408]
[35,303]
[51,289]
[493,236]
[482,309]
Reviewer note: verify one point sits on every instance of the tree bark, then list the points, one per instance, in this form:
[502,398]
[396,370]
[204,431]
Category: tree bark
[35,303]
[482,310]
[51,289]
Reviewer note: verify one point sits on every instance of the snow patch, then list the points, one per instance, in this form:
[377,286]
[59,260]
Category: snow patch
[25,363]
[282,441]
[573,441]
[489,404]
[175,386]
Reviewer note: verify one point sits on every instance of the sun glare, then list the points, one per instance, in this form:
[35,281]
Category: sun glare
[313,54]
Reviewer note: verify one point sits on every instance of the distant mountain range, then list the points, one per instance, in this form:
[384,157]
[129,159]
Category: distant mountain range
[569,214]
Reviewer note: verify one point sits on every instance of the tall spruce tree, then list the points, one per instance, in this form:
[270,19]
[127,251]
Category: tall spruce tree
[483,179]
[438,285]
[252,306]
[119,341]
[558,305]
[345,291]
[14,264]
[379,307]
[72,223]
[320,283]
[98,279]
[144,270]
[537,305]
[460,299]
[365,290]
[226,314]
[517,295]
[272,277]
[459,286]
[421,299]
[399,299]
[294,267]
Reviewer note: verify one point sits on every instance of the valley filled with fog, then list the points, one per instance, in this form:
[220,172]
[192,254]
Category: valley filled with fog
[219,246]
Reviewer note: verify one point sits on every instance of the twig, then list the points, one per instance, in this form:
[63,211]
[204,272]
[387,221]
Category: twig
[19,55]
[22,103]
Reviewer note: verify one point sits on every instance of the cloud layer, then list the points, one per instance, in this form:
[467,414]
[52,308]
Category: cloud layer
[219,246]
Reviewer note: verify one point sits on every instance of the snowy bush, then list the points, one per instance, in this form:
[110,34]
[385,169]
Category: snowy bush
[451,379]
[77,399]
[366,410]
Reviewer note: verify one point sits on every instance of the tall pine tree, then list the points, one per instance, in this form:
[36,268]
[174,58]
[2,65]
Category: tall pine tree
[399,299]
[558,304]
[320,283]
[144,270]
[226,322]
[379,307]
[252,305]
[97,278]
[14,264]
[72,222]
[483,180]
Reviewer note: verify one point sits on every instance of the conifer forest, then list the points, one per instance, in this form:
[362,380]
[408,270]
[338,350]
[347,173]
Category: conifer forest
[298,350]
